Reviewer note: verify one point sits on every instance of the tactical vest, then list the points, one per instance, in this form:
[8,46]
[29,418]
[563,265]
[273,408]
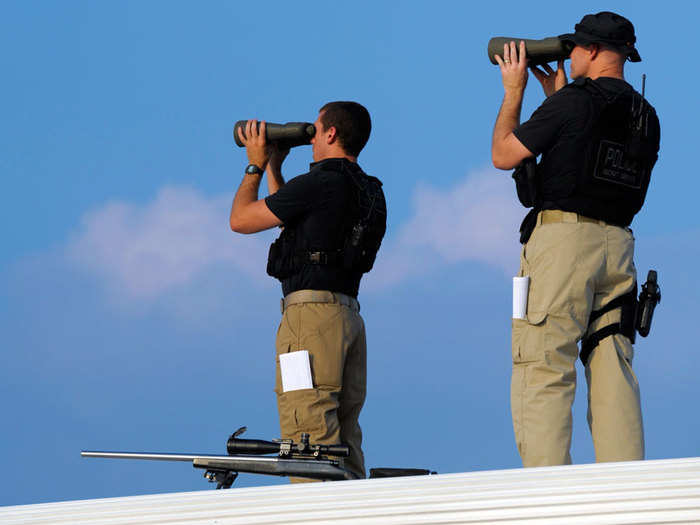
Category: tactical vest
[615,152]
[356,247]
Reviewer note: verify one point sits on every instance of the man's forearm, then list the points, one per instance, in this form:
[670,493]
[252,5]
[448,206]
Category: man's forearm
[247,193]
[248,214]
[506,150]
[508,116]
[275,180]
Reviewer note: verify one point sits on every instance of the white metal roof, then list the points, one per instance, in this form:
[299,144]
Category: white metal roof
[660,491]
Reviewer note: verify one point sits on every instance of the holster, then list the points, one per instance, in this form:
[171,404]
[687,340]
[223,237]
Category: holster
[525,177]
[282,261]
[528,225]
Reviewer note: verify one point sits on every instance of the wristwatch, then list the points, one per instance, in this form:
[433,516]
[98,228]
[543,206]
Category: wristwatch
[253,169]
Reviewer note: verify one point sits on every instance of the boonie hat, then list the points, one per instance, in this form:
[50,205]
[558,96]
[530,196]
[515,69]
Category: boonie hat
[606,28]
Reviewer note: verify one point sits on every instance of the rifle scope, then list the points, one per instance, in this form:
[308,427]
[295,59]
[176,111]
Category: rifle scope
[538,51]
[287,135]
[235,445]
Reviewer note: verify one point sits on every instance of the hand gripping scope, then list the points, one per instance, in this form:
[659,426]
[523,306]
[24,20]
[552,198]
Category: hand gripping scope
[287,135]
[538,51]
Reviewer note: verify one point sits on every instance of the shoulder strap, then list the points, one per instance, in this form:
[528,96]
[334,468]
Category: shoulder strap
[592,87]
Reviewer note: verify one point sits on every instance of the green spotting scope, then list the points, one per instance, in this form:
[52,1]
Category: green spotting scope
[286,135]
[538,51]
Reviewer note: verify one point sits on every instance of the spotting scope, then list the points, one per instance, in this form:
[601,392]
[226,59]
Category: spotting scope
[538,51]
[286,135]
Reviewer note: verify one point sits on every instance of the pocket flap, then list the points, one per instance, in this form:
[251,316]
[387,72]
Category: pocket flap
[536,317]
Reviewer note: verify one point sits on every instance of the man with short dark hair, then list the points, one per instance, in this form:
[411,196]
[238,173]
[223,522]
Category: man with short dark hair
[599,140]
[334,219]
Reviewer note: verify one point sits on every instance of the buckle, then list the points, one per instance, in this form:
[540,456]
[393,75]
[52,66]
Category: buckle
[318,257]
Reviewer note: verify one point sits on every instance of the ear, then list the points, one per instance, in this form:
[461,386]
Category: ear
[594,51]
[331,135]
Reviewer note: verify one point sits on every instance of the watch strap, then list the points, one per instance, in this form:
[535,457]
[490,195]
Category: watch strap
[254,169]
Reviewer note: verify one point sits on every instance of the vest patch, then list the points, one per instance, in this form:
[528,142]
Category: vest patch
[614,165]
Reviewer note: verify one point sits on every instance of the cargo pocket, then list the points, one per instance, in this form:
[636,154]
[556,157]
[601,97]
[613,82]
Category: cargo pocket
[528,337]
[298,409]
[313,411]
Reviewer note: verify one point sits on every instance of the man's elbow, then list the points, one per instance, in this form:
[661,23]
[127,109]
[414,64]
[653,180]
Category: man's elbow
[239,226]
[498,164]
[500,161]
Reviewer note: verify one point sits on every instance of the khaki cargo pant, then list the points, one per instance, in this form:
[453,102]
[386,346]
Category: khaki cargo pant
[574,268]
[334,335]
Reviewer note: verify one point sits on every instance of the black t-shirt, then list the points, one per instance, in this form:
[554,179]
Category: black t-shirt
[556,130]
[316,204]
[561,118]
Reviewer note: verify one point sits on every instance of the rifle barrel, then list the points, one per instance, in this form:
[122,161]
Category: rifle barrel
[138,455]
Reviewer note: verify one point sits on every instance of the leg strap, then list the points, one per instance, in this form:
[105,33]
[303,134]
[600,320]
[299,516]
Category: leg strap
[628,308]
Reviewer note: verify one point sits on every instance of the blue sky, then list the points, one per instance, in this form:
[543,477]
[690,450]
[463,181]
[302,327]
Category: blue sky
[132,319]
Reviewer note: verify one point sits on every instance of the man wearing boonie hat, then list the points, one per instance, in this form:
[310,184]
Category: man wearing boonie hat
[598,139]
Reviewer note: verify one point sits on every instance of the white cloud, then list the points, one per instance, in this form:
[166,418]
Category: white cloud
[475,220]
[147,250]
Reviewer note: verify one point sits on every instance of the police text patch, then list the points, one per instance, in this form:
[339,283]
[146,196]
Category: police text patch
[614,165]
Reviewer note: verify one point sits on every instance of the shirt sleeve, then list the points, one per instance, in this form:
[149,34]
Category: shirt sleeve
[549,120]
[294,198]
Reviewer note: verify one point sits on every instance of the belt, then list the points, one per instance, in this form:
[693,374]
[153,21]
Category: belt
[319,296]
[554,216]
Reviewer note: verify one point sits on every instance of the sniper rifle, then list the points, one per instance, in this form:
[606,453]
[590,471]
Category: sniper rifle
[303,459]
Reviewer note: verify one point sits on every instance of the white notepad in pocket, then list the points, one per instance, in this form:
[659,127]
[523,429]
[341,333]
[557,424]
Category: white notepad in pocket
[521,286]
[295,369]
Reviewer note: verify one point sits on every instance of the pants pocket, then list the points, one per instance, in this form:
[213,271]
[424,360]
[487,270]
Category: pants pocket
[314,411]
[528,337]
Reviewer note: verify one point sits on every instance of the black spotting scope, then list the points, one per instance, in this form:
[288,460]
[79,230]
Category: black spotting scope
[286,135]
[538,51]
